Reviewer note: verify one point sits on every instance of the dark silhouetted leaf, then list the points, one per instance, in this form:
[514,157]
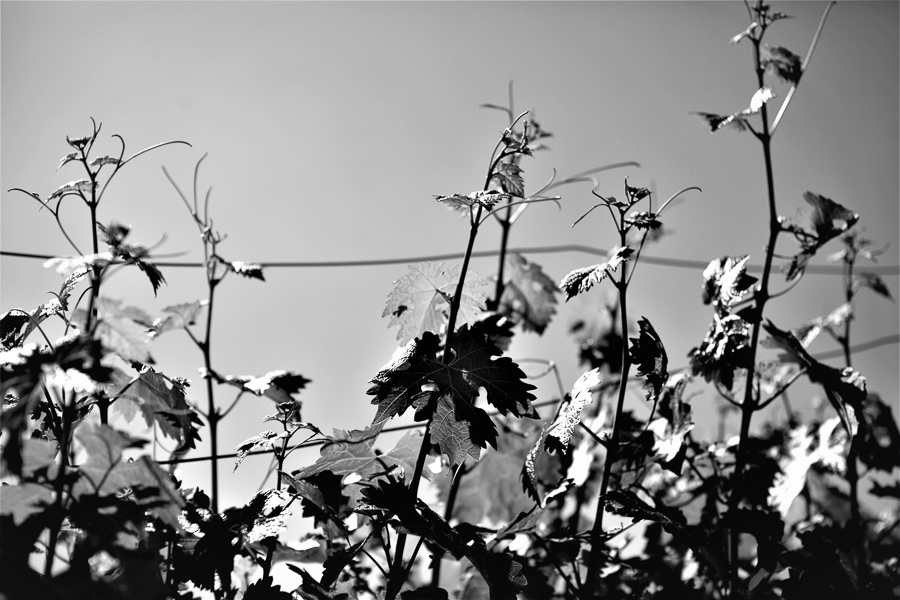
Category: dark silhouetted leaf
[649,356]
[449,391]
[627,504]
[787,65]
[265,589]
[828,218]
[529,296]
[420,300]
[581,280]
[880,446]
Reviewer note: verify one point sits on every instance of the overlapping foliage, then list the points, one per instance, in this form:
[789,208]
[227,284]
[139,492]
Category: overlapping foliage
[585,500]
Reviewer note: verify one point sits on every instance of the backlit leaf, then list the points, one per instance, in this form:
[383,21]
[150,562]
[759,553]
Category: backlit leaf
[248,270]
[79,186]
[580,281]
[99,161]
[348,452]
[265,440]
[873,282]
[106,472]
[737,120]
[121,328]
[488,199]
[724,349]
[569,415]
[804,449]
[279,385]
[161,400]
[420,300]
[23,500]
[179,316]
[264,515]
[807,332]
[529,295]
[725,281]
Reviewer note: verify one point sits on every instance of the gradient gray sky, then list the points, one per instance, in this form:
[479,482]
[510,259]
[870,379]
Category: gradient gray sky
[330,126]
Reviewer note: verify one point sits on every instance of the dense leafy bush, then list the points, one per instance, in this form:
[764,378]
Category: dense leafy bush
[591,501]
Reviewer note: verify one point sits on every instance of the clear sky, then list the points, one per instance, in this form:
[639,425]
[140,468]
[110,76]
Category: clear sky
[330,126]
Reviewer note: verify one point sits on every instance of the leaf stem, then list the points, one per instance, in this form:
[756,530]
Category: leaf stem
[594,561]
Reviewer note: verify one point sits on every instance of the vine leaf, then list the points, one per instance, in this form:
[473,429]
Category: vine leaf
[352,452]
[278,385]
[264,515]
[466,203]
[805,449]
[449,391]
[509,177]
[420,300]
[845,389]
[787,65]
[738,120]
[114,236]
[265,440]
[880,447]
[105,472]
[725,348]
[78,187]
[178,316]
[246,269]
[809,331]
[580,281]
[628,504]
[501,570]
[22,500]
[123,329]
[725,281]
[529,296]
[649,355]
[569,415]
[873,282]
[16,325]
[828,219]
[161,400]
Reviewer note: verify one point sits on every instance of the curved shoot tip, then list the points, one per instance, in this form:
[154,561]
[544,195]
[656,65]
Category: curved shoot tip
[675,195]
